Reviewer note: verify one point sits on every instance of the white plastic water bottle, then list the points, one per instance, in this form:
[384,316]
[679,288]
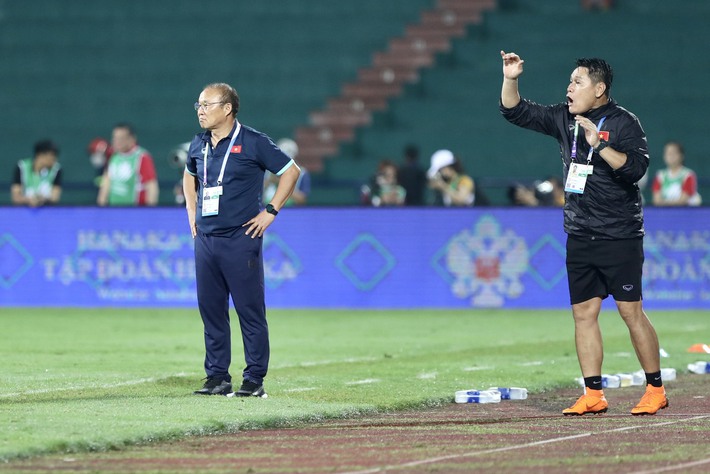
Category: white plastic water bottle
[626,380]
[668,374]
[639,378]
[477,396]
[511,393]
[610,381]
[699,367]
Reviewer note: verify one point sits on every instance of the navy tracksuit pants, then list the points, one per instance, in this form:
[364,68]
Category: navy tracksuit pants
[232,265]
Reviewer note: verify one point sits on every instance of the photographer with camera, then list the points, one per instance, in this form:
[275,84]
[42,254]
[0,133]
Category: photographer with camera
[549,192]
[447,178]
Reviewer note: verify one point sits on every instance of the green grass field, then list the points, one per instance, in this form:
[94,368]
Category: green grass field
[97,379]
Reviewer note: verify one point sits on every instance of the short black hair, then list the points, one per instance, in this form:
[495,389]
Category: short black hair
[411,152]
[46,146]
[599,71]
[127,127]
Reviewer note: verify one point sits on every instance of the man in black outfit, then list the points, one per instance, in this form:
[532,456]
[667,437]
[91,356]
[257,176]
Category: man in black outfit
[412,177]
[602,216]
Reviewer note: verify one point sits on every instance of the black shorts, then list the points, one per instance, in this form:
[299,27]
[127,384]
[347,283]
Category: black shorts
[599,268]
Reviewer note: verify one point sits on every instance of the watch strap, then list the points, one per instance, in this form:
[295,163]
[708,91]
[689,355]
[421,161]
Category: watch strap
[602,144]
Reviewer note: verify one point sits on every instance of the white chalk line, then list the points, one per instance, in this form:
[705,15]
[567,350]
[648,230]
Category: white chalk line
[475,369]
[516,447]
[427,376]
[92,386]
[300,389]
[316,363]
[363,382]
[675,467]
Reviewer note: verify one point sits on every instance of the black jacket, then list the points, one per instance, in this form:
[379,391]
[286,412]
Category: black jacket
[610,207]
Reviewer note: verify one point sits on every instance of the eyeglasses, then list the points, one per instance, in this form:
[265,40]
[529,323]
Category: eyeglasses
[205,105]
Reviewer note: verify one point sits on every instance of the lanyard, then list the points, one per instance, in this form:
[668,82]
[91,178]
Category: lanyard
[224,160]
[574,141]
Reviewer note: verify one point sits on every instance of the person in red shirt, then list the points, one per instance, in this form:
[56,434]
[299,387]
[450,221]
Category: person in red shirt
[675,185]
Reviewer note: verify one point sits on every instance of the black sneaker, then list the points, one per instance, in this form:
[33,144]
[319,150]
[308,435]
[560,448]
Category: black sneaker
[215,386]
[251,389]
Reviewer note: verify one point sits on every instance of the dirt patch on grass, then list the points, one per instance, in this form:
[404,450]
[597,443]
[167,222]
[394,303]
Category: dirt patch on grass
[513,436]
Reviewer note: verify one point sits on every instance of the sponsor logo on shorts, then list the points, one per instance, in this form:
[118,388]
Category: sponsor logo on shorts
[628,287]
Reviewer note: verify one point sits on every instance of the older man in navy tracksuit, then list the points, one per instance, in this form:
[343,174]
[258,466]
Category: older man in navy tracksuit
[223,181]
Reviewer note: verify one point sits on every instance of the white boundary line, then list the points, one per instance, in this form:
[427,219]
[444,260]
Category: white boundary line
[518,446]
[92,386]
[676,467]
[363,382]
[316,363]
[87,387]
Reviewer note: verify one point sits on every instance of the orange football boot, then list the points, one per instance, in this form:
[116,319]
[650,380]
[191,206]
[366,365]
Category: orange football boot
[653,400]
[592,401]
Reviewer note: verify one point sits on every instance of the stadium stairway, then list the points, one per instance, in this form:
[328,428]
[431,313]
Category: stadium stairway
[658,76]
[385,78]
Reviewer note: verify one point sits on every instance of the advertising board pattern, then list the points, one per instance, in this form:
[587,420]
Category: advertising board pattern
[337,258]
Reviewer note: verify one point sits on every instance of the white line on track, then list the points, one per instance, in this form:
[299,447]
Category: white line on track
[519,446]
[676,467]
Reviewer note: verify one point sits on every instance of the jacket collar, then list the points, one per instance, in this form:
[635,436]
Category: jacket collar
[599,112]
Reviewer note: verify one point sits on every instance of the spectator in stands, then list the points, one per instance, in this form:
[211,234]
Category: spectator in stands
[384,189]
[178,159]
[303,185]
[642,186]
[675,185]
[130,178]
[446,176]
[412,177]
[542,193]
[38,180]
[99,151]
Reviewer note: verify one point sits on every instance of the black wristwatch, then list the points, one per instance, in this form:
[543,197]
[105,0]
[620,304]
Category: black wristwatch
[271,210]
[602,144]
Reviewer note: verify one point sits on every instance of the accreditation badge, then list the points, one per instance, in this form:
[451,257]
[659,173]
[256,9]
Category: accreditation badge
[577,178]
[210,201]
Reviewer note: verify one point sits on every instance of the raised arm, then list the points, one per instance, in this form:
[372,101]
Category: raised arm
[512,69]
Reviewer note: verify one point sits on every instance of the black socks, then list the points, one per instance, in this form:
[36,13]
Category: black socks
[654,379]
[595,382]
